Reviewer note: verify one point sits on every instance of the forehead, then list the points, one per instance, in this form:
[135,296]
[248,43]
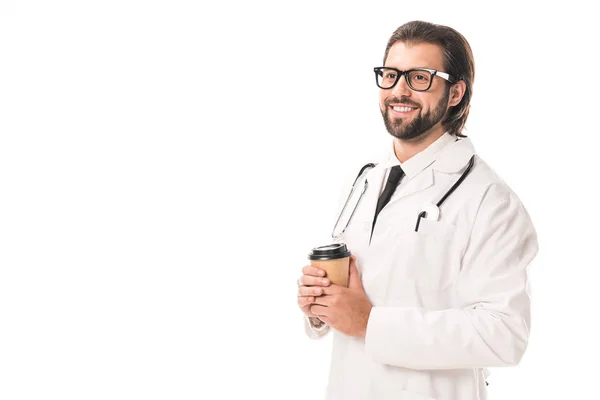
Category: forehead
[421,55]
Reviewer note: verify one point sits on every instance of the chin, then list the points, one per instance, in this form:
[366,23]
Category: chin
[411,136]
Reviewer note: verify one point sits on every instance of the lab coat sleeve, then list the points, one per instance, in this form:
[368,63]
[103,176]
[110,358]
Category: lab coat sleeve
[313,331]
[490,326]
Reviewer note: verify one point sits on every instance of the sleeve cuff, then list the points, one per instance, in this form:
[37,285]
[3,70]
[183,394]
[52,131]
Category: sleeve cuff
[313,329]
[377,337]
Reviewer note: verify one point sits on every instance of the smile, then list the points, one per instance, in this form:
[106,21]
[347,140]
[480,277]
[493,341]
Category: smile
[402,110]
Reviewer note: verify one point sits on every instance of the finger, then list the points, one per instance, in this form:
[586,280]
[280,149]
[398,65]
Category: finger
[319,310]
[354,279]
[353,262]
[308,280]
[333,289]
[303,301]
[313,271]
[310,291]
[325,301]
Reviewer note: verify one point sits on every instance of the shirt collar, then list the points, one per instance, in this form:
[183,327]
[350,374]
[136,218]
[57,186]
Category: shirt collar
[421,160]
[454,157]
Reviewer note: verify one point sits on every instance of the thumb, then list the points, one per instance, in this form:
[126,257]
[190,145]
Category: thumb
[354,279]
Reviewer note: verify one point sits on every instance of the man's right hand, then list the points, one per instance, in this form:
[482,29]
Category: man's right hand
[310,286]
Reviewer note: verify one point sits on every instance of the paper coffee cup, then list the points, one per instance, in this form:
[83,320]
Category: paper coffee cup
[335,260]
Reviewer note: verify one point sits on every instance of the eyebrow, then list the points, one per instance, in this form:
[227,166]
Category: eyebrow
[406,69]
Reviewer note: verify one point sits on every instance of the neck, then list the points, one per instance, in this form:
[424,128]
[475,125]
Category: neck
[405,149]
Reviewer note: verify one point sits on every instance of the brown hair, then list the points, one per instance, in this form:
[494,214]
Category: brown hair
[458,62]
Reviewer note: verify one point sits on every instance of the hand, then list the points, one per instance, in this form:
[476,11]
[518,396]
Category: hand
[311,284]
[345,309]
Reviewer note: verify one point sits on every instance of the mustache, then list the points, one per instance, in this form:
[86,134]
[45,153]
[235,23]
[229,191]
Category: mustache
[401,101]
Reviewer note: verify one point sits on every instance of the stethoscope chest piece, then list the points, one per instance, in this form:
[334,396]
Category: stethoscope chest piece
[432,212]
[428,211]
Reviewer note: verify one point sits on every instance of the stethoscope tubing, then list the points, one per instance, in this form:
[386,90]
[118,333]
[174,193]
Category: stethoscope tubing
[422,214]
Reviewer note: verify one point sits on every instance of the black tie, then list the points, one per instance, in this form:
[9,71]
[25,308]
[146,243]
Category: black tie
[392,182]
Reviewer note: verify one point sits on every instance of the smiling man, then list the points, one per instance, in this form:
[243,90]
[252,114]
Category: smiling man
[407,117]
[438,282]
[416,100]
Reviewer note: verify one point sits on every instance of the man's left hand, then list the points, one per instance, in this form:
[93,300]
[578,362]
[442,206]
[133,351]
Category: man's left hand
[345,309]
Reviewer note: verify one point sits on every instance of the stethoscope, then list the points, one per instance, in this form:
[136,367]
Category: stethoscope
[428,210]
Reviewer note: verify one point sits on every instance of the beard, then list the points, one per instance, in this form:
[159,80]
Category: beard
[422,122]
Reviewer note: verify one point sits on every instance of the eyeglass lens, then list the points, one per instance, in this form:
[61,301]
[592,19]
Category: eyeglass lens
[417,80]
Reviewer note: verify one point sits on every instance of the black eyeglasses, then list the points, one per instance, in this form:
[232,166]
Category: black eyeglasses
[418,79]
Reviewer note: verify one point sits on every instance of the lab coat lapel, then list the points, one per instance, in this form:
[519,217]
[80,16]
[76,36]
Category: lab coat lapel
[375,178]
[421,181]
[451,159]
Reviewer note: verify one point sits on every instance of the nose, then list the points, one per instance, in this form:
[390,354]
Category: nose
[401,88]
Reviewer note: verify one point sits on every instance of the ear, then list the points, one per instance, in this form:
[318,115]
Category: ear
[457,91]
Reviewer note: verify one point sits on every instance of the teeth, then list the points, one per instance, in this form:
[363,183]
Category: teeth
[402,109]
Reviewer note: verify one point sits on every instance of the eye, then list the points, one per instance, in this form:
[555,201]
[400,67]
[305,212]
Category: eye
[390,75]
[421,78]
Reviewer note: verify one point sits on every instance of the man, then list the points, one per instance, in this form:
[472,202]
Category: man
[433,300]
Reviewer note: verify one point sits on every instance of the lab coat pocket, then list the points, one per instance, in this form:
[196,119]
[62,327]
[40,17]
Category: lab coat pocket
[432,264]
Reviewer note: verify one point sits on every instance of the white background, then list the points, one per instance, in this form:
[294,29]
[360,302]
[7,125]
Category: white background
[165,167]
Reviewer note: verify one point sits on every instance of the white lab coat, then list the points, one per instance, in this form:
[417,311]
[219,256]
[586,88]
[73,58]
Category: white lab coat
[448,301]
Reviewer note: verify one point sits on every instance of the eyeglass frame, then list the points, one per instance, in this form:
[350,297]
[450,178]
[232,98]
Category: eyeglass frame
[433,72]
